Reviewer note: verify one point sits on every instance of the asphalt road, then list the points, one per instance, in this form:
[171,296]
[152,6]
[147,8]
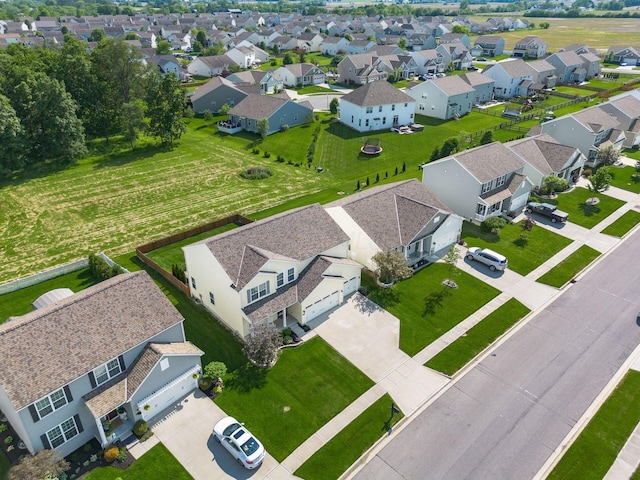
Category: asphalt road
[504,418]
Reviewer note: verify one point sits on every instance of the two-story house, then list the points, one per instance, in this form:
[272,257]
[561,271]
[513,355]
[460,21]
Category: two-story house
[511,78]
[490,45]
[428,62]
[530,47]
[333,46]
[626,110]
[479,183]
[545,73]
[482,86]
[301,74]
[620,54]
[376,106]
[109,355]
[287,268]
[569,66]
[444,98]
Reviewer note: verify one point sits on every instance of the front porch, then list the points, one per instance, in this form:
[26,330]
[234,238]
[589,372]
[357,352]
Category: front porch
[228,126]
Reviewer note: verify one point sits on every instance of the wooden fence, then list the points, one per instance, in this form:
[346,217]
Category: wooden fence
[142,250]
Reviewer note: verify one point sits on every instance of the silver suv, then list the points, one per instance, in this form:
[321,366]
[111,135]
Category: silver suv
[492,259]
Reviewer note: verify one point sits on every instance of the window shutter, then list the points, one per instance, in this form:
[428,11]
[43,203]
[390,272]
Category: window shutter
[78,423]
[34,413]
[92,379]
[67,393]
[121,360]
[45,442]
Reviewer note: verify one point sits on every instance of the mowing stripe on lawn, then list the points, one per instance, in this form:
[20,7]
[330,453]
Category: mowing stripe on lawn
[569,267]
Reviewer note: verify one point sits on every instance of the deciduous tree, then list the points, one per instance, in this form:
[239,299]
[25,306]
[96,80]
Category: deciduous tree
[333,106]
[600,180]
[165,104]
[38,466]
[11,157]
[263,127]
[392,266]
[607,155]
[262,345]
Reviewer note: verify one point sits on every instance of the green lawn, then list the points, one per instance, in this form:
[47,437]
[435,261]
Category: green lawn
[523,258]
[339,453]
[569,267]
[172,254]
[284,405]
[309,89]
[622,225]
[422,320]
[632,153]
[477,338]
[156,463]
[597,447]
[581,213]
[216,341]
[573,91]
[19,302]
[622,178]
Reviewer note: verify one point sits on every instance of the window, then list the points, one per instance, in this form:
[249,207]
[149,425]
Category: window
[369,109]
[384,120]
[380,108]
[295,117]
[62,433]
[501,180]
[481,209]
[107,371]
[366,122]
[486,187]
[260,291]
[290,275]
[51,402]
[406,104]
[280,280]
[212,298]
[393,107]
[193,282]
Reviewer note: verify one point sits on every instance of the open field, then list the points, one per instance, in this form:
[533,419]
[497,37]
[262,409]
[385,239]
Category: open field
[598,32]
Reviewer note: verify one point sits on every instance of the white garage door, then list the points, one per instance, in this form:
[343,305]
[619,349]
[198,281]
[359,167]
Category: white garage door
[350,286]
[519,202]
[168,395]
[321,306]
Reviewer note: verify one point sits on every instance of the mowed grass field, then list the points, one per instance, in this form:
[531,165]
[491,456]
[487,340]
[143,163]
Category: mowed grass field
[599,32]
[114,203]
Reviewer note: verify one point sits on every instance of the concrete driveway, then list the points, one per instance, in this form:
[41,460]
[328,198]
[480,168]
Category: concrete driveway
[186,431]
[369,337]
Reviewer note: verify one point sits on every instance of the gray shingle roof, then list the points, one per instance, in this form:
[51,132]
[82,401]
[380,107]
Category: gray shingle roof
[543,152]
[393,214]
[211,85]
[298,235]
[476,79]
[258,106]
[488,162]
[454,85]
[377,93]
[515,68]
[79,333]
[629,105]
[595,119]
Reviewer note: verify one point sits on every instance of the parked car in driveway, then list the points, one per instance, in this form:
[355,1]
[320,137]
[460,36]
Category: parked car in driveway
[548,210]
[240,443]
[492,259]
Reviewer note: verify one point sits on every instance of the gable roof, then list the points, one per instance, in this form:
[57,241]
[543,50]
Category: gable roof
[66,340]
[476,79]
[595,119]
[295,235]
[376,93]
[259,106]
[210,86]
[394,214]
[543,152]
[488,161]
[513,68]
[453,85]
[629,105]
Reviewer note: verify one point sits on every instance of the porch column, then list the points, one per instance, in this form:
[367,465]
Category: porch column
[284,318]
[103,438]
[421,247]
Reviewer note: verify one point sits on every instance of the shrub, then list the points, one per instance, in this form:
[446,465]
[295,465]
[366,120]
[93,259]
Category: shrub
[287,340]
[205,383]
[74,457]
[3,427]
[87,447]
[286,332]
[100,269]
[111,453]
[587,172]
[284,127]
[255,151]
[555,184]
[207,115]
[280,159]
[8,440]
[178,272]
[256,173]
[38,466]
[492,224]
[215,370]
[266,155]
[122,454]
[147,435]
[140,428]
[189,113]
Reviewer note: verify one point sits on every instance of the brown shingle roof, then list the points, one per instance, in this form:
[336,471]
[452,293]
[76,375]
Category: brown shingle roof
[394,214]
[377,93]
[258,106]
[70,338]
[298,234]
[543,152]
[488,161]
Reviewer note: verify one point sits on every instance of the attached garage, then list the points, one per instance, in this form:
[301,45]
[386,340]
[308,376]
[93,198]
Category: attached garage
[168,394]
[321,306]
[350,286]
[519,202]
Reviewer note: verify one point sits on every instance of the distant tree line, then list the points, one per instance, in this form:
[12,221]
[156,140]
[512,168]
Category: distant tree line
[53,98]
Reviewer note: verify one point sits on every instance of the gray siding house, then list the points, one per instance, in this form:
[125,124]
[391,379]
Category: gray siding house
[109,355]
[444,98]
[278,110]
[214,94]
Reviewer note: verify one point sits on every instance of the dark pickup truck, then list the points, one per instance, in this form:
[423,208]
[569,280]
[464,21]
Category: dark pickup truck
[547,210]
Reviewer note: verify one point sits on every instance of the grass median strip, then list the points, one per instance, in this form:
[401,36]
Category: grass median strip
[350,443]
[569,267]
[477,338]
[622,225]
[286,404]
[597,447]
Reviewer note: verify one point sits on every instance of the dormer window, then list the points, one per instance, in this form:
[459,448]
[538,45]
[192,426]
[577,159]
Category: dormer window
[501,180]
[258,292]
[106,372]
[486,187]
[280,280]
[290,275]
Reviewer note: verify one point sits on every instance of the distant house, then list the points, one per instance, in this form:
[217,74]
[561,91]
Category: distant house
[285,269]
[269,81]
[456,54]
[334,45]
[401,216]
[214,94]
[421,41]
[375,106]
[482,86]
[479,183]
[356,47]
[543,155]
[444,98]
[626,110]
[490,45]
[530,47]
[428,61]
[629,55]
[89,377]
[309,42]
[210,66]
[588,130]
[168,64]
[545,73]
[512,78]
[462,38]
[244,57]
[362,69]
[569,67]
[301,74]
[278,110]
